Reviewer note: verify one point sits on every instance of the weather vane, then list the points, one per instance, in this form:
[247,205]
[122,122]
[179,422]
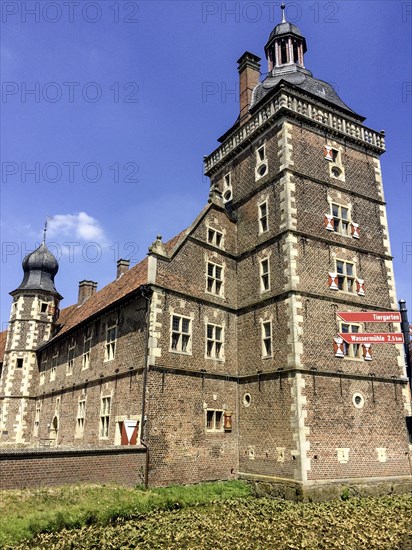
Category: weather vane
[45,231]
[283,7]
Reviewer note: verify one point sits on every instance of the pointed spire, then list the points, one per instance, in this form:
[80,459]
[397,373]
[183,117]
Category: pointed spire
[283,7]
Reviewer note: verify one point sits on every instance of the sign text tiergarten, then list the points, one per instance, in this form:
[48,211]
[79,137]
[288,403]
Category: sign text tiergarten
[370,316]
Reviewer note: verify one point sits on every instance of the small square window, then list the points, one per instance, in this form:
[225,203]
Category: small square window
[19,363]
[214,237]
[43,307]
[214,420]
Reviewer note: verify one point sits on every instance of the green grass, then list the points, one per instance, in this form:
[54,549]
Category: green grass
[381,523]
[24,514]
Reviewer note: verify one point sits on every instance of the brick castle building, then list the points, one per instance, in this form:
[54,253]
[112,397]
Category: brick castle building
[219,355]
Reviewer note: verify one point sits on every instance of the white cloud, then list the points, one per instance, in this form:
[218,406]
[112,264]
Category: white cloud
[79,226]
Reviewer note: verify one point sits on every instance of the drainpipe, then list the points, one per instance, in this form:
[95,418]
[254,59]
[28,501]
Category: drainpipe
[147,295]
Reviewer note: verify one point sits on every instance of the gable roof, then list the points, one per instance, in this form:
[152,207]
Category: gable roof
[110,294]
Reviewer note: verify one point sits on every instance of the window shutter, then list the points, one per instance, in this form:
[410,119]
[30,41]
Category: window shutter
[333,281]
[328,222]
[328,153]
[367,355]
[360,287]
[355,230]
[338,347]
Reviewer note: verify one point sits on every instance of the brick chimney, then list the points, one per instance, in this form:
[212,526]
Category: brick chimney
[249,72]
[122,267]
[86,289]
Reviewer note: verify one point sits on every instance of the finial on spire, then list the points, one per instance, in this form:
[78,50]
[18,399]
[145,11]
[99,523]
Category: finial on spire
[283,7]
[44,232]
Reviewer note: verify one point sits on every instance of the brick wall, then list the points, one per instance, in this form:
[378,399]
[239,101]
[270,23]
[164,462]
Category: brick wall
[20,469]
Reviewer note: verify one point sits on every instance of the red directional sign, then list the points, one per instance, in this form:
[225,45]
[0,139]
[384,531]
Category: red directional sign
[372,337]
[370,316]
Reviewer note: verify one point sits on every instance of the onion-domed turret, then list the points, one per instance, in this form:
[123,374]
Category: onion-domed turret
[40,268]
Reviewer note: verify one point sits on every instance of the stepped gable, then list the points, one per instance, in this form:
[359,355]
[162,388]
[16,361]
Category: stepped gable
[128,283]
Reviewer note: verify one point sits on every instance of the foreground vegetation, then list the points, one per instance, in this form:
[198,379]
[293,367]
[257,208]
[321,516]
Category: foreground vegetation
[210,516]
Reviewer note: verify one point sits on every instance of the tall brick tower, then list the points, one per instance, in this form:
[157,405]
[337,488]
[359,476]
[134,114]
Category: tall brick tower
[33,314]
[300,172]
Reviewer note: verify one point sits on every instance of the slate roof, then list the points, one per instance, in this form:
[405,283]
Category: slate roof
[306,82]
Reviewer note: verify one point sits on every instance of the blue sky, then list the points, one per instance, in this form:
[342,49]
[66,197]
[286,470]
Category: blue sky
[128,98]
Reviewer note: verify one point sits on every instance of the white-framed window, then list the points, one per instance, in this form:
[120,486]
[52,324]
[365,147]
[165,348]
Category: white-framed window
[214,278]
[227,187]
[42,371]
[70,359]
[181,334]
[53,369]
[214,237]
[43,307]
[351,351]
[214,341]
[264,275]
[105,407]
[110,346]
[87,346]
[334,157]
[341,219]
[261,162]
[346,276]
[81,417]
[267,339]
[263,213]
[37,419]
[214,420]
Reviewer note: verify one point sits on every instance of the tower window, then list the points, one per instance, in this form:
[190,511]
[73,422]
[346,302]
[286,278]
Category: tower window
[263,217]
[267,339]
[341,219]
[19,363]
[264,275]
[346,276]
[227,187]
[283,53]
[351,351]
[295,52]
